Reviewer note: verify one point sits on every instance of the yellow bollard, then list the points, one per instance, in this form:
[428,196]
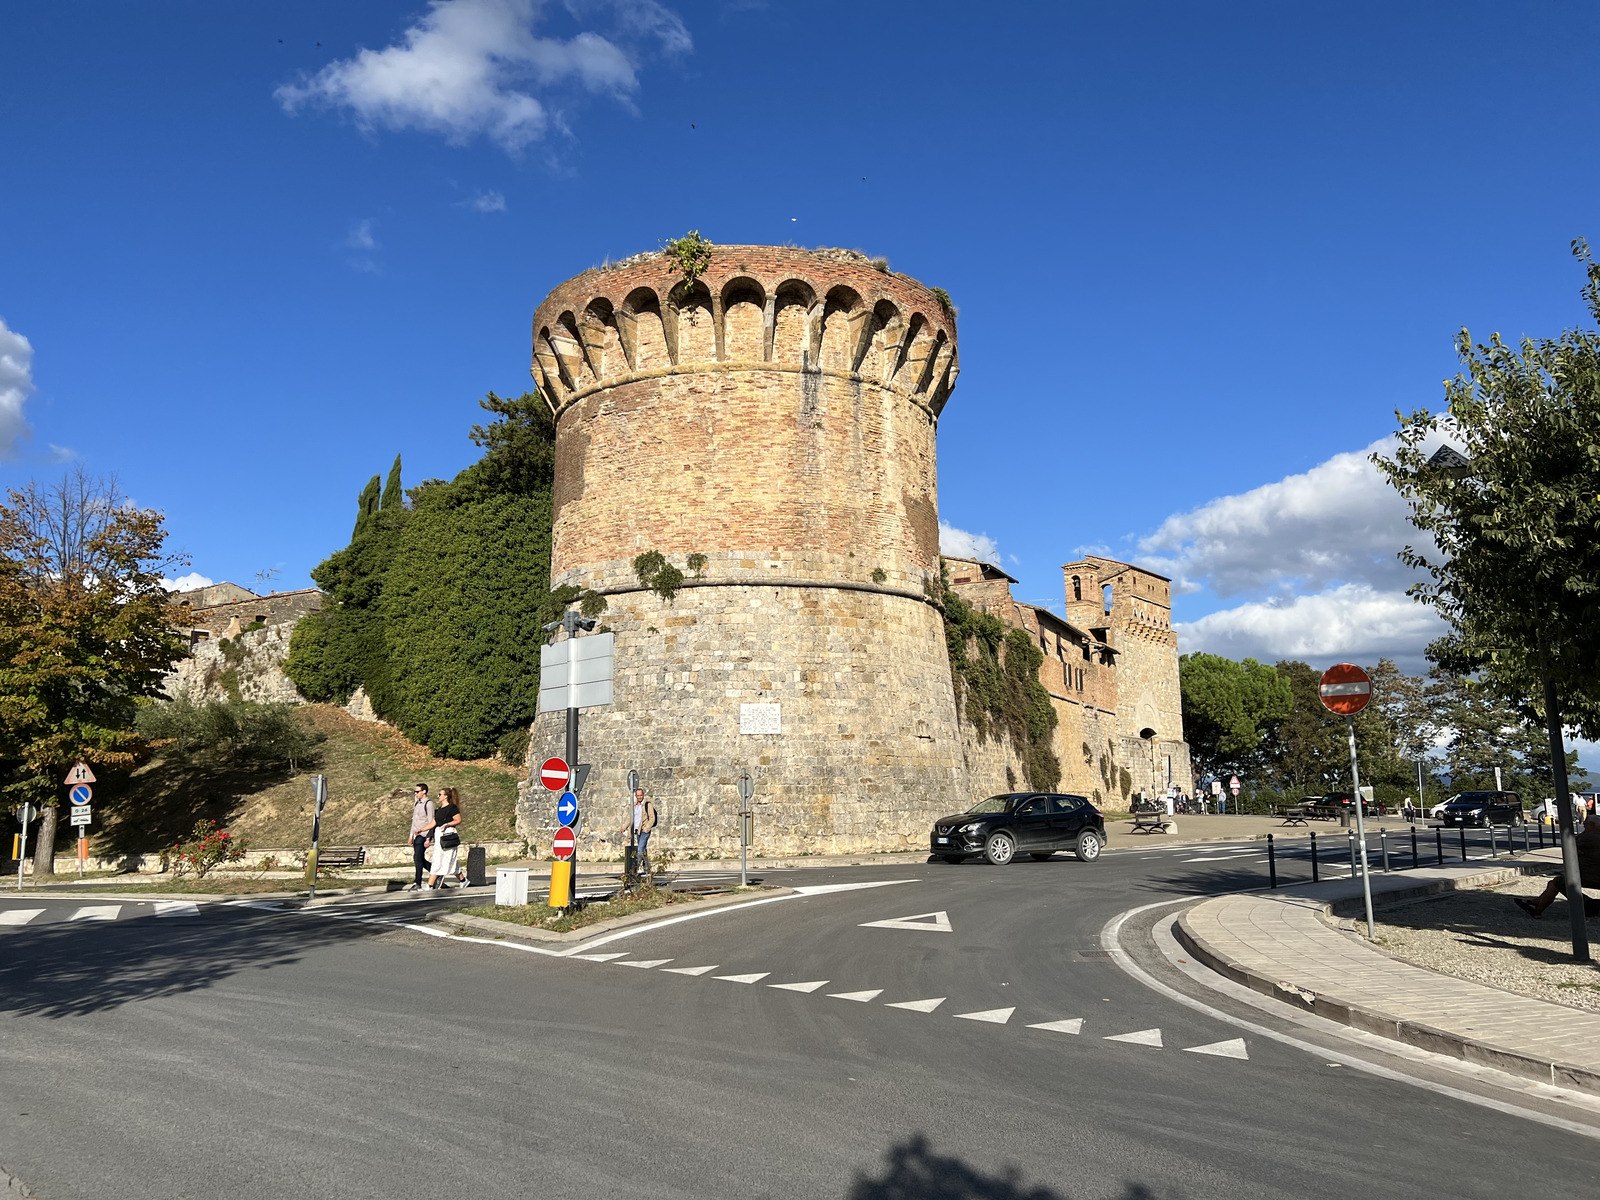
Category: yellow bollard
[560,885]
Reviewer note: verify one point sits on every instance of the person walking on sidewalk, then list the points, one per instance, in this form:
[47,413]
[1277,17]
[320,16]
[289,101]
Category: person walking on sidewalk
[421,822]
[447,838]
[1588,871]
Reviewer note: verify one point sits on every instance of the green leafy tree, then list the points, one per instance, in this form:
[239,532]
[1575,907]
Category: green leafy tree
[86,631]
[1513,517]
[1230,710]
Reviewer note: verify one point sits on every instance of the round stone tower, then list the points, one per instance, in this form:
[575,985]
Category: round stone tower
[769,429]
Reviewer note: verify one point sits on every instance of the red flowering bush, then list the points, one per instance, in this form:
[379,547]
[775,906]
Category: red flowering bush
[208,846]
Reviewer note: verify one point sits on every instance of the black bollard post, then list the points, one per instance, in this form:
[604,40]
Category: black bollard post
[1438,842]
[1494,851]
[1272,863]
[1313,856]
[1413,847]
[1463,843]
[1383,843]
[1355,871]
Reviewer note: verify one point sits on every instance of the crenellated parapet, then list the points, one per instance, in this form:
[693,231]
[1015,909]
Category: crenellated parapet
[773,308]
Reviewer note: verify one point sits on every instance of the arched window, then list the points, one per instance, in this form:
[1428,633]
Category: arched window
[1077,588]
[1105,594]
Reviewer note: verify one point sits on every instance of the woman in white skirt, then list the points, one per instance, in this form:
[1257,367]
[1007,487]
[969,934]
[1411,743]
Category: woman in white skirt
[447,838]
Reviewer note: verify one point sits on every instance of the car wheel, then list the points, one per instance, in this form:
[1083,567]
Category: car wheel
[1000,849]
[1088,847]
[954,858]
[1039,857]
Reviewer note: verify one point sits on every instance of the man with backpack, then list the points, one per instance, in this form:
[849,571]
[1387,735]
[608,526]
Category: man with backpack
[644,823]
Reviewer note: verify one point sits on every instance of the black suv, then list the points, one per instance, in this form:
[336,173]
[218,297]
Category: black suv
[1034,823]
[1483,808]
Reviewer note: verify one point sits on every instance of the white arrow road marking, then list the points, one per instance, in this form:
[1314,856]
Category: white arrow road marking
[1232,1048]
[19,916]
[176,908]
[923,1006]
[756,978]
[995,1016]
[1073,1026]
[687,970]
[1144,1037]
[96,912]
[596,957]
[644,963]
[933,922]
[861,997]
[823,889]
[799,987]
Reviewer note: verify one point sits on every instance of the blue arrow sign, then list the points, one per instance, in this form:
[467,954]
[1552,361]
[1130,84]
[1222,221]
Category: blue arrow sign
[80,793]
[567,808]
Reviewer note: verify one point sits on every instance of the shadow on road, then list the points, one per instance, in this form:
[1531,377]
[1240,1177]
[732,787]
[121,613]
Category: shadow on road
[915,1172]
[73,969]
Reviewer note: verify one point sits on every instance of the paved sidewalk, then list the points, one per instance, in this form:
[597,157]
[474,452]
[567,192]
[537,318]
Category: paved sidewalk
[1280,944]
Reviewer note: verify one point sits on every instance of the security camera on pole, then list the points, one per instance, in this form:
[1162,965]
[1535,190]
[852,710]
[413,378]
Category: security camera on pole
[1346,690]
[573,674]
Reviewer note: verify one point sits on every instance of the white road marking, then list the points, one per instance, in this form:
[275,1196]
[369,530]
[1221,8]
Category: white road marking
[176,908]
[19,916]
[662,924]
[96,912]
[799,987]
[755,978]
[644,963]
[929,922]
[598,957]
[1073,1026]
[1143,1037]
[823,889]
[922,1006]
[859,997]
[690,970]
[1232,1048]
[995,1016]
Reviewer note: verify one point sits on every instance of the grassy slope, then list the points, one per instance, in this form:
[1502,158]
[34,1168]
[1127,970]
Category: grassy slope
[370,769]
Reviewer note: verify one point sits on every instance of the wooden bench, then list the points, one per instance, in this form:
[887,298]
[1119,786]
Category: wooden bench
[340,858]
[1147,820]
[1293,814]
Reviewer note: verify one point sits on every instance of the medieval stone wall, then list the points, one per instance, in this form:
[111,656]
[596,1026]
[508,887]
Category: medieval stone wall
[777,417]
[248,666]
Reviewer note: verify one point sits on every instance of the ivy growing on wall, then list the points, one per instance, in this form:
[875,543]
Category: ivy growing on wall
[657,574]
[996,675]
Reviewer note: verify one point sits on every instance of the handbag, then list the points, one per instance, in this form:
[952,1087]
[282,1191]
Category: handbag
[449,839]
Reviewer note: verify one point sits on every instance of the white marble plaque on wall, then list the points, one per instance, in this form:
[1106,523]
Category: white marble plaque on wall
[761,718]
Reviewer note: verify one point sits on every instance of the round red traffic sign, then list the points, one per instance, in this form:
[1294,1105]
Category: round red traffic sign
[564,843]
[1345,689]
[554,774]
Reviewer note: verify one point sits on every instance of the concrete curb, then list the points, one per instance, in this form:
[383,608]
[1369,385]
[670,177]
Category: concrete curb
[15,1189]
[1374,1020]
[528,933]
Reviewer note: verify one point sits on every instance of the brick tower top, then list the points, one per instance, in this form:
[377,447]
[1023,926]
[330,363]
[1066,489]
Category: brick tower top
[772,307]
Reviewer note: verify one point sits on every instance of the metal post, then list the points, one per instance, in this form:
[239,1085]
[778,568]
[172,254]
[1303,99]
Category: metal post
[1313,856]
[1463,829]
[1494,851]
[1413,847]
[1383,842]
[22,846]
[319,797]
[1350,837]
[1438,843]
[1272,863]
[1361,828]
[572,764]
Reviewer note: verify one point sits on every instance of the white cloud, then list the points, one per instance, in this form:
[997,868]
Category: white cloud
[470,68]
[958,543]
[16,385]
[1353,621]
[1338,522]
[361,236]
[187,583]
[487,202]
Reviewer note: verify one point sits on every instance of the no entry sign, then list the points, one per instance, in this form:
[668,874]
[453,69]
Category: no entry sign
[1345,689]
[554,774]
[563,844]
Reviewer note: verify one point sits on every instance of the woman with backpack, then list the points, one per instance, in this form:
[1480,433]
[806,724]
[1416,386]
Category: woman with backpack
[446,830]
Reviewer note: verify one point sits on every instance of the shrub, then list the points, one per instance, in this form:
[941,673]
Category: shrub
[208,847]
[229,731]
[656,573]
[514,745]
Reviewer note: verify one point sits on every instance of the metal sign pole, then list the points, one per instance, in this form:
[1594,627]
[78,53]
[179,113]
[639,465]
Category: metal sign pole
[22,847]
[319,792]
[1361,828]
[572,760]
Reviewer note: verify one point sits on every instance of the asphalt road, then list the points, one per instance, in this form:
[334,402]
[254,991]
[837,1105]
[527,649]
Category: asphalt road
[231,1051]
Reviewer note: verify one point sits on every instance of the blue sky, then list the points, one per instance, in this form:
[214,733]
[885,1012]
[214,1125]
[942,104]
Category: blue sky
[1202,252]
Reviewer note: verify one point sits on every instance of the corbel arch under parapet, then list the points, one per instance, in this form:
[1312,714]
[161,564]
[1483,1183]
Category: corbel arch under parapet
[915,347]
[549,366]
[602,346]
[568,345]
[882,352]
[690,325]
[837,336]
[793,303]
[643,331]
[744,320]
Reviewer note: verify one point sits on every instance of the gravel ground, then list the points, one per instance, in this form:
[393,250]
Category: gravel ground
[1484,937]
